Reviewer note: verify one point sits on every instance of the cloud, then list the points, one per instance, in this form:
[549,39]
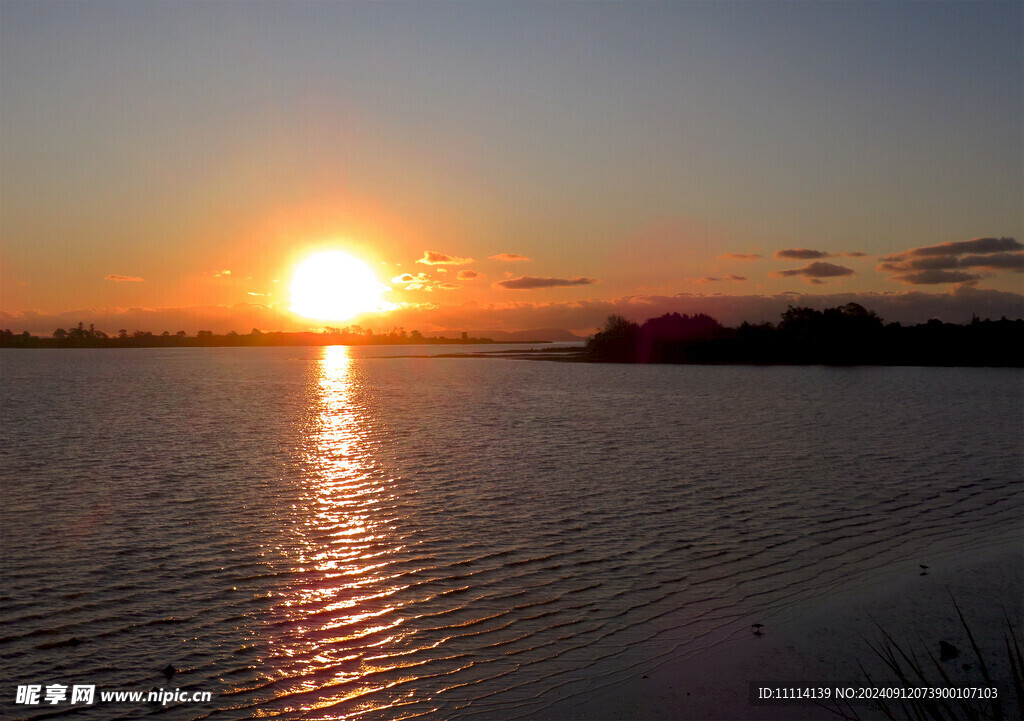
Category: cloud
[431,257]
[221,273]
[946,262]
[801,254]
[816,270]
[420,281]
[123,278]
[854,254]
[467,274]
[740,256]
[995,261]
[932,277]
[528,283]
[584,316]
[713,279]
[508,257]
[978,246]
[925,263]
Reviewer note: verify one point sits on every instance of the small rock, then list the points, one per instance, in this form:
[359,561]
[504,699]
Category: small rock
[947,651]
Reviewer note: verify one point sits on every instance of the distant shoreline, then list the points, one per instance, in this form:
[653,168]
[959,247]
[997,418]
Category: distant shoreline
[575,355]
[264,340]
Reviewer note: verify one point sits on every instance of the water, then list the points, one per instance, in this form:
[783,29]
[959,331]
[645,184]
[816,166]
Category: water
[319,533]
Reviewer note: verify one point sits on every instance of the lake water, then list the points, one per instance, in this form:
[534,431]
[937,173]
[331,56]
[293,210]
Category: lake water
[316,532]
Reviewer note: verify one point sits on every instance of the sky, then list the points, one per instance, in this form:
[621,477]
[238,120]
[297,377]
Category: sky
[509,165]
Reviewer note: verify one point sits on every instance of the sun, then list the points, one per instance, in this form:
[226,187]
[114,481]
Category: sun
[335,286]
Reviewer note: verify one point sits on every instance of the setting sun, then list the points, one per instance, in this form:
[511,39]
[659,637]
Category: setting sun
[335,286]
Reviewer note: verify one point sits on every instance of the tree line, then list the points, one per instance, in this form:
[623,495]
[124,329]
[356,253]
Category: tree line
[82,337]
[845,335]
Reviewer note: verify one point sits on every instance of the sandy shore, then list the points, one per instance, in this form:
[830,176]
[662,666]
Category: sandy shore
[824,645]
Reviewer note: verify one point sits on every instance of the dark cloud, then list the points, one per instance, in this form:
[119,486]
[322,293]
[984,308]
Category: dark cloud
[528,283]
[945,262]
[123,278]
[801,254]
[815,281]
[854,254]
[933,277]
[740,256]
[467,274]
[431,257]
[508,257]
[995,261]
[978,246]
[926,263]
[816,270]
[736,277]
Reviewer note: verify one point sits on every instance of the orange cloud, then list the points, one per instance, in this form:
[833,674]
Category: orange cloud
[508,257]
[432,257]
[714,279]
[123,278]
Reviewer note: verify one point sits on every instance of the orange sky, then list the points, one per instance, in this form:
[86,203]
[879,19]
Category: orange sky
[169,163]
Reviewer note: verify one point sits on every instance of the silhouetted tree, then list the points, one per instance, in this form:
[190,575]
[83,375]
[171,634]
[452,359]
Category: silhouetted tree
[616,342]
[673,337]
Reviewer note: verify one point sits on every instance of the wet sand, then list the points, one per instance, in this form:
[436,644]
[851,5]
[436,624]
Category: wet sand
[825,645]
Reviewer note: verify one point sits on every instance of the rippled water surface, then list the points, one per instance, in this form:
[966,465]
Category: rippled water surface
[318,533]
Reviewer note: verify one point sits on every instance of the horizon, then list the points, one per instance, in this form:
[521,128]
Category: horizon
[507,166]
[942,310]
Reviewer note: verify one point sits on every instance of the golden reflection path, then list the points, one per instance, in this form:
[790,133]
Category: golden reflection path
[337,616]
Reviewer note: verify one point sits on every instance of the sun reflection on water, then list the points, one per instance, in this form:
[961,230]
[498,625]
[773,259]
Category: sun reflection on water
[338,610]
